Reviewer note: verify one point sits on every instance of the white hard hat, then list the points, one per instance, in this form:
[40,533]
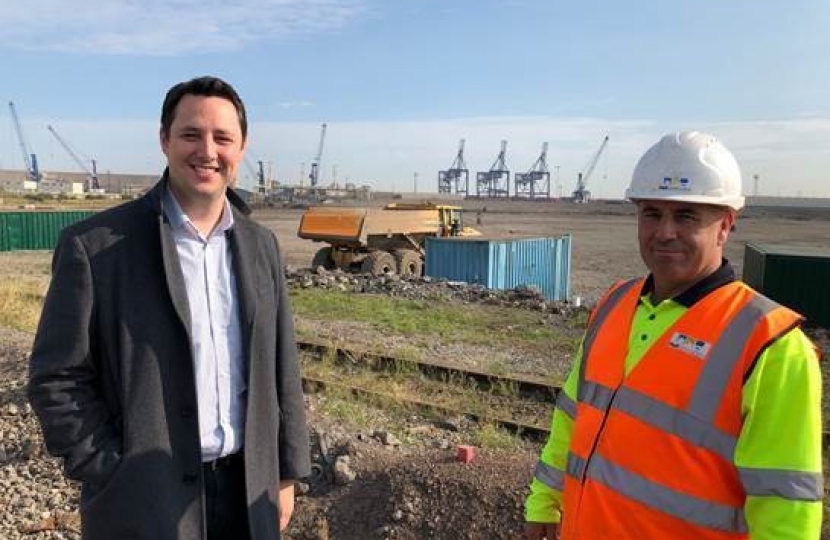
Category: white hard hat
[688,166]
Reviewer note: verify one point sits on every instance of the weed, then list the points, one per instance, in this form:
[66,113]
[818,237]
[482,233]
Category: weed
[20,304]
[425,322]
[495,438]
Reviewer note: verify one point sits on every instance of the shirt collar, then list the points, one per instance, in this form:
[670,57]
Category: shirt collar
[724,275]
[178,218]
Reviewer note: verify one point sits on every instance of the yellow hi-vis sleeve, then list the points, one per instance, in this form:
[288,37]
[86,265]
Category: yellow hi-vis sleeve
[781,438]
[543,504]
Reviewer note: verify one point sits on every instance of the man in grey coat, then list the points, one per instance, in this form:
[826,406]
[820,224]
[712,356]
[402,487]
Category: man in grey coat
[164,368]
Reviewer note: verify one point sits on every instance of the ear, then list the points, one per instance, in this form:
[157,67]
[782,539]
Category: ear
[727,224]
[163,140]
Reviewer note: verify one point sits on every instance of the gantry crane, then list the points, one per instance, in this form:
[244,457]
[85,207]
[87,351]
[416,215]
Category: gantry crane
[456,176]
[581,194]
[30,160]
[496,181]
[315,165]
[535,183]
[92,175]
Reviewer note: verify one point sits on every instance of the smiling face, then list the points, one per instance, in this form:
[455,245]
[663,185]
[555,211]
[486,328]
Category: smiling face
[681,243]
[204,146]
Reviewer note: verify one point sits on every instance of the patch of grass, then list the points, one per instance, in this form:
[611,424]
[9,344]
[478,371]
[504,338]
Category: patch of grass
[482,325]
[344,406]
[495,438]
[21,301]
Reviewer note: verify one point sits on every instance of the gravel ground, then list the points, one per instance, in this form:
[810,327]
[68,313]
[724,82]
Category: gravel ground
[34,494]
[402,487]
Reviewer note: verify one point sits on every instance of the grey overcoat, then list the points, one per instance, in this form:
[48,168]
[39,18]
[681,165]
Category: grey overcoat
[111,376]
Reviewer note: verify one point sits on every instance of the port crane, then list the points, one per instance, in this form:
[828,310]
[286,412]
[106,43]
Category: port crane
[496,181]
[535,183]
[314,176]
[257,174]
[30,160]
[92,175]
[581,194]
[456,176]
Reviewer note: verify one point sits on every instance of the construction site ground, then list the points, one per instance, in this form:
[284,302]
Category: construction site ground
[409,486]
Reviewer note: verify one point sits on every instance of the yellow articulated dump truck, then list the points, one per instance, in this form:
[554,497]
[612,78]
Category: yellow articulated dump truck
[378,241]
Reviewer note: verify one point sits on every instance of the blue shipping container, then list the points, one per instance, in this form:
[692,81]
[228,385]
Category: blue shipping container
[544,263]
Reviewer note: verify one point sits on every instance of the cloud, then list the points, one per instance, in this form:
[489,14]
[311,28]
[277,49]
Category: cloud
[165,27]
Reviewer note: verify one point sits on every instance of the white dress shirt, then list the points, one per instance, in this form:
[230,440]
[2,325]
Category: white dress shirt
[215,329]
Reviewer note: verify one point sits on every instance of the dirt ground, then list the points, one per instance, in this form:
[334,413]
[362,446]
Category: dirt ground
[604,246]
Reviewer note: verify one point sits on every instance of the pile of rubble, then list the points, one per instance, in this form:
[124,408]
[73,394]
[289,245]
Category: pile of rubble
[371,484]
[34,493]
[426,288]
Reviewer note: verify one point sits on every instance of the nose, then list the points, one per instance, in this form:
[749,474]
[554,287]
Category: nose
[207,147]
[666,229]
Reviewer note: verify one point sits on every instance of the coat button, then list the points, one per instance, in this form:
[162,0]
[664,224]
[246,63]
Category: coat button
[189,478]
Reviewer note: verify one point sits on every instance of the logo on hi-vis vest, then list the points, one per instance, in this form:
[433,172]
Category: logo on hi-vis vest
[675,182]
[690,345]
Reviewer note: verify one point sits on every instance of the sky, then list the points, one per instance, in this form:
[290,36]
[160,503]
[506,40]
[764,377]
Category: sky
[400,82]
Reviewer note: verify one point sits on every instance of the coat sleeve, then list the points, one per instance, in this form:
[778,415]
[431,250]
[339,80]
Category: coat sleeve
[63,378]
[295,461]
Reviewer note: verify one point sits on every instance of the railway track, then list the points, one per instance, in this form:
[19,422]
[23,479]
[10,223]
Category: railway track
[517,404]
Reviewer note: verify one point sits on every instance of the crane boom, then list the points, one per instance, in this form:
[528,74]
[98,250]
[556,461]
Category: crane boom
[581,194]
[92,175]
[30,160]
[315,165]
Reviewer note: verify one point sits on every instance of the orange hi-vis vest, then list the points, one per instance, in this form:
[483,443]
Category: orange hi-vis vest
[651,455]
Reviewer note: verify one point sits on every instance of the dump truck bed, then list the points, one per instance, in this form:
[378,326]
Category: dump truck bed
[354,225]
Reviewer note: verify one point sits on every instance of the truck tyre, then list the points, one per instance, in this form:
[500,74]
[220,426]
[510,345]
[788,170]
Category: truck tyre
[379,263]
[409,263]
[323,258]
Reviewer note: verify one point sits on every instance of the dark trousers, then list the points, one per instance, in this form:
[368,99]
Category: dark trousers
[225,508]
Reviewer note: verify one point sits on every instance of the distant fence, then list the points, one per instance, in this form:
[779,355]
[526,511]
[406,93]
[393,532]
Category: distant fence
[35,230]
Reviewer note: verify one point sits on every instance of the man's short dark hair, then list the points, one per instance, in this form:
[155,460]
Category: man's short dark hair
[201,86]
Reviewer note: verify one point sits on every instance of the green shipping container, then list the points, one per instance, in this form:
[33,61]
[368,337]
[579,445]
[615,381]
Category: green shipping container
[35,230]
[795,276]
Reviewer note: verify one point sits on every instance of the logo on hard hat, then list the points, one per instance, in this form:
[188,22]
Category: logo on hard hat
[675,182]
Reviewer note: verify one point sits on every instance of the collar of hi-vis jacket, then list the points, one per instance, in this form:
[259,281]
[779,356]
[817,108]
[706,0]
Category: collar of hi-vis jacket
[723,275]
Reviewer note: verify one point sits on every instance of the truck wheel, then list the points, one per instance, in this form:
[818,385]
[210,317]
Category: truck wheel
[379,263]
[323,258]
[409,263]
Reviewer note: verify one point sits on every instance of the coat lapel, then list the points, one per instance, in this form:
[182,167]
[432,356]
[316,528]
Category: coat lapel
[169,255]
[173,274]
[245,253]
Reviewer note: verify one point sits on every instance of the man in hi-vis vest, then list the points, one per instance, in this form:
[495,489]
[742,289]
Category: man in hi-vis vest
[693,408]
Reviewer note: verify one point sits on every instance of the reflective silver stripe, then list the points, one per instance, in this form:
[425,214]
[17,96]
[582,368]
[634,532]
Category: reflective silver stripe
[596,395]
[566,405]
[550,476]
[575,466]
[686,507]
[602,313]
[676,422]
[795,485]
[722,361]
